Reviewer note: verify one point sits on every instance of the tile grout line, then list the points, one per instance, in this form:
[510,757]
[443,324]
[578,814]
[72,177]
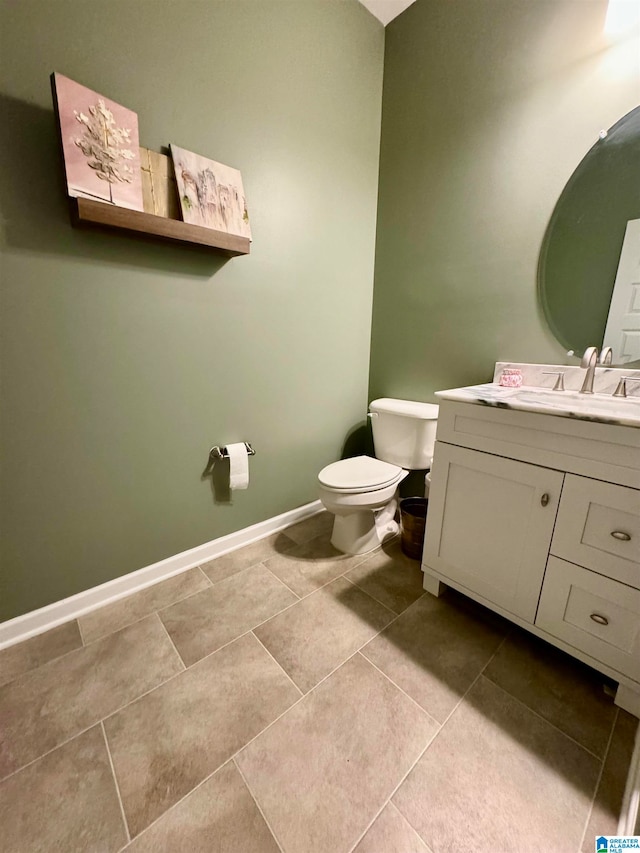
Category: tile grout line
[84,645]
[533,711]
[392,794]
[262,563]
[33,669]
[377,600]
[258,806]
[204,575]
[396,616]
[156,612]
[198,567]
[115,782]
[49,751]
[544,719]
[448,717]
[598,780]
[421,840]
[393,613]
[278,664]
[186,669]
[397,686]
[211,585]
[367,557]
[480,675]
[146,615]
[167,680]
[240,749]
[297,702]
[173,645]
[121,707]
[273,574]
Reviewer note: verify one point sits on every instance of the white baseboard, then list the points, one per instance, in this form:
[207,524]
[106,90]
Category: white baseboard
[37,621]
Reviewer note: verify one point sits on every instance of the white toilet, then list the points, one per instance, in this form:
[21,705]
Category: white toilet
[362,492]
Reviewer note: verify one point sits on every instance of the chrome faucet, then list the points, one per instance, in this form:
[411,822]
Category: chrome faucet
[589,362]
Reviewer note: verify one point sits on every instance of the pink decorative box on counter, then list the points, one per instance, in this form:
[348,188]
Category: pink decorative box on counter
[511,378]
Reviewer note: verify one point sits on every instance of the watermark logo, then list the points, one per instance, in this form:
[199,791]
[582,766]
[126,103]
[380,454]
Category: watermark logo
[617,843]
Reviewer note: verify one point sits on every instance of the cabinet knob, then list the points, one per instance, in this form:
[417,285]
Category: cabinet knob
[544,500]
[599,618]
[621,535]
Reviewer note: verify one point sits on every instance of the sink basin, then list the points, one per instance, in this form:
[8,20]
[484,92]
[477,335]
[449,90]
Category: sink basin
[568,404]
[573,399]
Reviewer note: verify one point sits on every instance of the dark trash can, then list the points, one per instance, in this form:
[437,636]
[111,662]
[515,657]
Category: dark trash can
[413,517]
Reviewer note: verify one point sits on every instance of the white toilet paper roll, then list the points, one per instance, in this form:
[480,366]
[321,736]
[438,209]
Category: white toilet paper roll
[238,465]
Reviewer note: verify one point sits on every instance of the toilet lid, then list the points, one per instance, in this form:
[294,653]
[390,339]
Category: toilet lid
[360,473]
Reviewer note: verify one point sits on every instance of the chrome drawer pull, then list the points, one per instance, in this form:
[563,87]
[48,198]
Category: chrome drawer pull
[601,620]
[621,535]
[544,500]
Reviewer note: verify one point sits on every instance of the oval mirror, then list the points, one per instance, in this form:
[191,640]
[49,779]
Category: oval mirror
[581,249]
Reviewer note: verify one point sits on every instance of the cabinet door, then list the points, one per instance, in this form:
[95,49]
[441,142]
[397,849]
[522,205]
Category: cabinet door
[490,524]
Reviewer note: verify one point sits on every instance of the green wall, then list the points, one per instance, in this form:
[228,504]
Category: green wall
[488,107]
[123,362]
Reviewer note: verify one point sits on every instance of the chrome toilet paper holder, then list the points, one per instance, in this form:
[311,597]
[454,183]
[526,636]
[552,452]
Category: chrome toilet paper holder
[217,453]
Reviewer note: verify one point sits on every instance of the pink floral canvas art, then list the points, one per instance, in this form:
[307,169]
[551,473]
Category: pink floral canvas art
[211,194]
[99,144]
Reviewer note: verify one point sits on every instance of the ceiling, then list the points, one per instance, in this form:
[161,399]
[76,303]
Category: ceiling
[386,10]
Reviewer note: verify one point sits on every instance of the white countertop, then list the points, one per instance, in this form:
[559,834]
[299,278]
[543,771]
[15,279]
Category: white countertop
[602,408]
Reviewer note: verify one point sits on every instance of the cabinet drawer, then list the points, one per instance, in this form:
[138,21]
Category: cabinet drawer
[598,526]
[608,452]
[592,613]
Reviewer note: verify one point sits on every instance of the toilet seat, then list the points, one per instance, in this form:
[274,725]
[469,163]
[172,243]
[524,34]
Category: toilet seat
[359,474]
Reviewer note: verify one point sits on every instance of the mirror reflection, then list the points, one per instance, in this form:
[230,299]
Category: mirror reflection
[582,256]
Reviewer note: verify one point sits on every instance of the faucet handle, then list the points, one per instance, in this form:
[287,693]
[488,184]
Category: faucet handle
[559,384]
[589,357]
[621,390]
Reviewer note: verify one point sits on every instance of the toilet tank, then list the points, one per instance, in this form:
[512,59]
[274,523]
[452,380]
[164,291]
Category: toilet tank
[404,432]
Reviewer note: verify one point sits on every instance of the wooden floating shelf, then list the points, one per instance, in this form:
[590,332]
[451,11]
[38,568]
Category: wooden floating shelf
[85,212]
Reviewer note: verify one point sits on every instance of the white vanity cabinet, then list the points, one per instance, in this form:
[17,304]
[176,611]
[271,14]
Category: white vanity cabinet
[538,517]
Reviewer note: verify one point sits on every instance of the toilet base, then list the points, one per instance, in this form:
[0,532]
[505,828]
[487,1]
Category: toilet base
[365,530]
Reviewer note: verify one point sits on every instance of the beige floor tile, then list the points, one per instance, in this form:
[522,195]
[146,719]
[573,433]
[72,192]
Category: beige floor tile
[320,632]
[320,524]
[28,655]
[174,737]
[325,768]
[390,577]
[608,800]
[121,613]
[206,621]
[65,802]
[309,566]
[558,687]
[436,649]
[218,817]
[498,777]
[390,833]
[237,561]
[43,708]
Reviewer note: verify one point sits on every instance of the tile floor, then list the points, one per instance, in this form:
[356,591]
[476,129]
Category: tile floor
[288,698]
